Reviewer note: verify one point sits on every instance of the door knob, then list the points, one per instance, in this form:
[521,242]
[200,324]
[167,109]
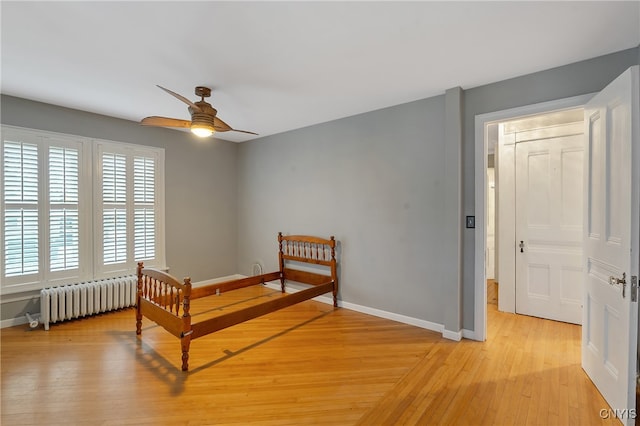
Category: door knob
[617,281]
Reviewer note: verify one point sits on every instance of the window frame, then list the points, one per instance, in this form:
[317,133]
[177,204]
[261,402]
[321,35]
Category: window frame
[89,205]
[130,151]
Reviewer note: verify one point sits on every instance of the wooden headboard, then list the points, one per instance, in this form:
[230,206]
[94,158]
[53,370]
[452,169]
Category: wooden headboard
[307,249]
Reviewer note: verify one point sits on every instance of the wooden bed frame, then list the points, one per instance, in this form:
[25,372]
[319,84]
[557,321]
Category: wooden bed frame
[164,299]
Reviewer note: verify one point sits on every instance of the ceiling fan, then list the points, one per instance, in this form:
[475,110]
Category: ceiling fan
[203,116]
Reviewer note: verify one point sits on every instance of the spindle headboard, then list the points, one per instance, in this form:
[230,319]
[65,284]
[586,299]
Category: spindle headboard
[308,249]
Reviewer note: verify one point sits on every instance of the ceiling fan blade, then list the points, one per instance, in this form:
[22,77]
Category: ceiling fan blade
[165,122]
[244,131]
[182,98]
[221,126]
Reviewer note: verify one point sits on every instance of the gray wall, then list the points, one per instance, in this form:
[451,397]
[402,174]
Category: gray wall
[375,181]
[200,186]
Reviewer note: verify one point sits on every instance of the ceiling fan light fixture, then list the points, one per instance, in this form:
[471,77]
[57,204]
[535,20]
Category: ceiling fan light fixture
[204,121]
[202,130]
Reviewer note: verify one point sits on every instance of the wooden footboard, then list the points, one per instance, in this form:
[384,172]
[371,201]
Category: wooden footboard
[166,301]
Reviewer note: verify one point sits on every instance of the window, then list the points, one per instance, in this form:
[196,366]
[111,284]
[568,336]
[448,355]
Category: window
[75,209]
[129,211]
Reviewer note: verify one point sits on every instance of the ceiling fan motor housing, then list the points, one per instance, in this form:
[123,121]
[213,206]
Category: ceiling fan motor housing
[206,115]
[202,118]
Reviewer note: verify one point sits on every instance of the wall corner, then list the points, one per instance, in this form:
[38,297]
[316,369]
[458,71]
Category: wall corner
[452,246]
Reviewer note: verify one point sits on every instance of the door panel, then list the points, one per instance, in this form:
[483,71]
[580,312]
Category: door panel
[610,322]
[549,203]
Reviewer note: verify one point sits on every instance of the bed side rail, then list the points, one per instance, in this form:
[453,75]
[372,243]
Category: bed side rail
[305,277]
[235,317]
[225,286]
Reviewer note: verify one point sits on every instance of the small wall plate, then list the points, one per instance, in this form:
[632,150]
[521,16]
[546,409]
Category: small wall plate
[471,222]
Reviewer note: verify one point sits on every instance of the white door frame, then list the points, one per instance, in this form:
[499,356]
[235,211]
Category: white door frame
[481,150]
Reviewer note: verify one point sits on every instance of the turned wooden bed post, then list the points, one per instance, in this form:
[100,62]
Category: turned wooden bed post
[334,271]
[138,296]
[185,336]
[281,260]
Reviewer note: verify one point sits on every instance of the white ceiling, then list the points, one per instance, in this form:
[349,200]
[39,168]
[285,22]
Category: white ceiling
[277,66]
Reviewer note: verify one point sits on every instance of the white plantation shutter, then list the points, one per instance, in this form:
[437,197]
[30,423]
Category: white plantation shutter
[64,239]
[20,224]
[21,242]
[114,224]
[131,223]
[144,208]
[114,214]
[64,233]
[20,172]
[74,209]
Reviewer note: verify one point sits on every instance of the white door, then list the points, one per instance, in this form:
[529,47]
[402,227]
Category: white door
[612,216]
[549,194]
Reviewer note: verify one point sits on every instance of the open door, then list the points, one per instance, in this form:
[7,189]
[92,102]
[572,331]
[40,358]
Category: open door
[611,243]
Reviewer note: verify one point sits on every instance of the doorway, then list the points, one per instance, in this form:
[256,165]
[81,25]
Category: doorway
[538,163]
[611,205]
[484,125]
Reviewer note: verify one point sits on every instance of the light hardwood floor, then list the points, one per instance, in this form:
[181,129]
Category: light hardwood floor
[307,364]
[492,292]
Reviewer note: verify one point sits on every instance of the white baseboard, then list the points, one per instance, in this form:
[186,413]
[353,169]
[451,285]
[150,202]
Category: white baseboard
[469,334]
[394,317]
[13,322]
[452,335]
[457,336]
